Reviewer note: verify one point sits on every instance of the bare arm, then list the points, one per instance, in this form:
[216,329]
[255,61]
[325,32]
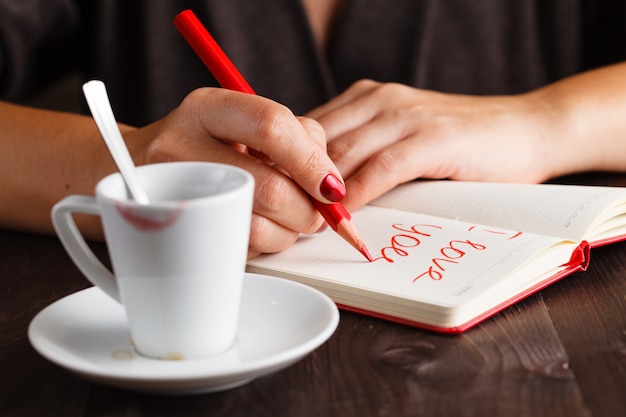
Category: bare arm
[585,121]
[46,155]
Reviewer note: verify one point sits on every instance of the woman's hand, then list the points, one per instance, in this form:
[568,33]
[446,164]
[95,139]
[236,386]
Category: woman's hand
[286,155]
[48,155]
[380,135]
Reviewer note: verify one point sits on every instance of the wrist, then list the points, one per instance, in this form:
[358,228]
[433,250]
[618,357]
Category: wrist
[581,121]
[559,136]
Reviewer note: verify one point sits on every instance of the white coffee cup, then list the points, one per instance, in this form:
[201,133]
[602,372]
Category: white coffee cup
[178,262]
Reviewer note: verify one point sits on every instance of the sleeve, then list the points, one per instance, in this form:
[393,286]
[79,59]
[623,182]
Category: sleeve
[37,42]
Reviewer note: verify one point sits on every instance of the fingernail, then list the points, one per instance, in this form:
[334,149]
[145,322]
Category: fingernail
[332,189]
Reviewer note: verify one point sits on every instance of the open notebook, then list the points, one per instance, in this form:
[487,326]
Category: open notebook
[450,254]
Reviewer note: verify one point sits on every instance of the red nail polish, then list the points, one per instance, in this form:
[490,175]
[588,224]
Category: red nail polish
[333,189]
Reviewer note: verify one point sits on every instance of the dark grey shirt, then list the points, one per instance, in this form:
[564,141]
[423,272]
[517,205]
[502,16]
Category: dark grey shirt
[462,46]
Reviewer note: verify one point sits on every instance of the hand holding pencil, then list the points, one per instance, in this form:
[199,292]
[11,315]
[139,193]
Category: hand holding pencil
[331,188]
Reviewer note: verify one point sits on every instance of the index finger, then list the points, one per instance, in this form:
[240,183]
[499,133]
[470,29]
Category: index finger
[297,145]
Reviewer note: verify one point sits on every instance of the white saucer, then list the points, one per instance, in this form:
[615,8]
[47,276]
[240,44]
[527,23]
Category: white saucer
[280,322]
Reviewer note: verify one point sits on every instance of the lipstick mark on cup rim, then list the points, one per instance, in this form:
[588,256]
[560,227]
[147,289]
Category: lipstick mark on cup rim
[144,223]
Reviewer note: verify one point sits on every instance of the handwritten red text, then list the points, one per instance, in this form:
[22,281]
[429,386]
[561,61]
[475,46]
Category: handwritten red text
[406,241]
[401,242]
[450,254]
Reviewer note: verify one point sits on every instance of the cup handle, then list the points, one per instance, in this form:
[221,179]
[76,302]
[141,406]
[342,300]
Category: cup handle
[75,244]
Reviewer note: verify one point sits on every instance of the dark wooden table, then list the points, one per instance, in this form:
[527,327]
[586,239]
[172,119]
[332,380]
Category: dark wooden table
[561,352]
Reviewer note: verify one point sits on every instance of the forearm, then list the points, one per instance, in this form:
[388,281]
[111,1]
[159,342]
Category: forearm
[45,156]
[584,121]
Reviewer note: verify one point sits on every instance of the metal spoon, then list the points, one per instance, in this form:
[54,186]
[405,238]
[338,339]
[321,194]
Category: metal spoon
[98,101]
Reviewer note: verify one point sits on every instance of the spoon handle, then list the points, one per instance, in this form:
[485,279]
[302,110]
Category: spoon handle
[98,101]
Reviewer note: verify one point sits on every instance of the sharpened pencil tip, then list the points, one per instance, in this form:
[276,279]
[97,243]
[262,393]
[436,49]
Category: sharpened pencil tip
[366,253]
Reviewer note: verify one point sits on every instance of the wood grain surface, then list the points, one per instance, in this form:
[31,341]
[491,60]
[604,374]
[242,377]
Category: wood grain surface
[561,352]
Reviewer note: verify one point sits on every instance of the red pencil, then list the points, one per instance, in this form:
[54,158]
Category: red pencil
[229,77]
